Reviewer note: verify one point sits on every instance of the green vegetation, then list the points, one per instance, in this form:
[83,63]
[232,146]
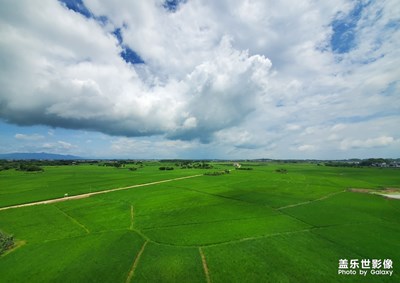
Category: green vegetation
[6,242]
[189,164]
[21,166]
[217,173]
[165,168]
[20,187]
[161,263]
[281,170]
[244,168]
[247,226]
[30,168]
[371,162]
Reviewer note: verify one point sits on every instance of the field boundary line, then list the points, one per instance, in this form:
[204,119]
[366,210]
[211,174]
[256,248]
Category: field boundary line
[86,195]
[259,237]
[208,222]
[233,241]
[135,263]
[205,267]
[310,201]
[132,214]
[73,219]
[339,245]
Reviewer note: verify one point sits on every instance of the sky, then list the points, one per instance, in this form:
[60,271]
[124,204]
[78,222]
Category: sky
[227,79]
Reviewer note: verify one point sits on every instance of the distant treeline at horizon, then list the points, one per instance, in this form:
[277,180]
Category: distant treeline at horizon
[36,165]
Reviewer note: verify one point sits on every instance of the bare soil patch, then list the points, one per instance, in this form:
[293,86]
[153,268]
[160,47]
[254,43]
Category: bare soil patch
[392,193]
[392,196]
[364,191]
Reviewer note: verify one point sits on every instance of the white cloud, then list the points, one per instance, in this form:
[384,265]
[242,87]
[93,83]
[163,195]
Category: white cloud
[65,145]
[82,82]
[368,143]
[243,76]
[306,147]
[140,148]
[32,137]
[293,127]
[58,147]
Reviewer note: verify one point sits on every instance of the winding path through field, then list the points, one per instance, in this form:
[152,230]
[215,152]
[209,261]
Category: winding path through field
[86,195]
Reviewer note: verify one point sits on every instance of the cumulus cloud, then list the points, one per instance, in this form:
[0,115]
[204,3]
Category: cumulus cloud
[251,75]
[79,80]
[221,93]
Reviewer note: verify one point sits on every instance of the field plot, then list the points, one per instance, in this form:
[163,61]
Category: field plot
[247,226]
[21,187]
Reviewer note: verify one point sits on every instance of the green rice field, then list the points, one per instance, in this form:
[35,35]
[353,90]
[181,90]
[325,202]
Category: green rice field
[255,225]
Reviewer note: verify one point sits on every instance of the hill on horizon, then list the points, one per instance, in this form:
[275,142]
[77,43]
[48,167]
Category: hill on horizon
[38,155]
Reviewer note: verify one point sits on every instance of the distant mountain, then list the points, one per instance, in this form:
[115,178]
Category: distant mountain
[38,156]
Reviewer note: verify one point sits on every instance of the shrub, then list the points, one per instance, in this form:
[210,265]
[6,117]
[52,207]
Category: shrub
[6,242]
[216,173]
[30,168]
[166,168]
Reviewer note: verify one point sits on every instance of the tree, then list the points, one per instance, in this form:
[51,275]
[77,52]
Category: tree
[6,242]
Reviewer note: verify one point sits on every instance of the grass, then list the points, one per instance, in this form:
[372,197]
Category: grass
[101,257]
[36,224]
[208,233]
[299,257]
[160,263]
[251,226]
[97,215]
[22,187]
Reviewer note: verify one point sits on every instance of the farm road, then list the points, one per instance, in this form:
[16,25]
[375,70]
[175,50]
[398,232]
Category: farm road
[86,195]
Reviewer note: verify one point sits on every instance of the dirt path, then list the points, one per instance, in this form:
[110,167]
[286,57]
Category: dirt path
[95,193]
[135,263]
[205,267]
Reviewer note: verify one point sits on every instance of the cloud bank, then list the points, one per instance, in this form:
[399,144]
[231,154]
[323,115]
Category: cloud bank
[287,76]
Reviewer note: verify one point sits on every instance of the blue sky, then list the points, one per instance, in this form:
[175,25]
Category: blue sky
[200,79]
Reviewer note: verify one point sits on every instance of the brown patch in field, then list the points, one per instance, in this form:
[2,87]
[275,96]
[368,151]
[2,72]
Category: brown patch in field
[390,193]
[374,191]
[355,190]
[392,190]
